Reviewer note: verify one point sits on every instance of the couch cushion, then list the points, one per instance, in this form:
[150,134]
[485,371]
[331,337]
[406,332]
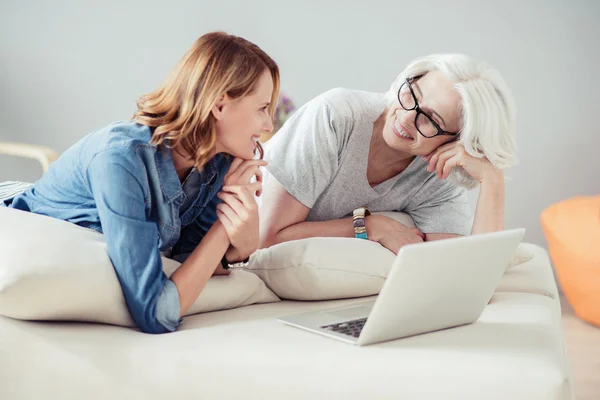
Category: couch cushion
[54,270]
[535,276]
[333,268]
[515,351]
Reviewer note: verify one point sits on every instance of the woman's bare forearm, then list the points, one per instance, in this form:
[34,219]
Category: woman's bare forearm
[302,230]
[191,277]
[335,228]
[489,214]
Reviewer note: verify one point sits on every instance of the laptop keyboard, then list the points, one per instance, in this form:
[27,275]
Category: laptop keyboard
[350,328]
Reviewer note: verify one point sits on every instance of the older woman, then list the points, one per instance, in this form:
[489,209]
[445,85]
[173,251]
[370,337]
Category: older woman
[446,124]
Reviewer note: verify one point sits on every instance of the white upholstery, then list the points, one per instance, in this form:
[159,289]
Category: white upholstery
[535,276]
[54,270]
[515,351]
[335,268]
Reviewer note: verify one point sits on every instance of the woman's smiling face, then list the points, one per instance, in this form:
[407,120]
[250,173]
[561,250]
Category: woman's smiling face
[436,97]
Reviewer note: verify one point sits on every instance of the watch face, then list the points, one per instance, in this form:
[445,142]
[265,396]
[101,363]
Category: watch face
[358,223]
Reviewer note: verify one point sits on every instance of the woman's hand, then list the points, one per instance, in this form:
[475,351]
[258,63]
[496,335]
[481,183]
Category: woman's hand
[239,215]
[239,212]
[241,173]
[453,154]
[390,233]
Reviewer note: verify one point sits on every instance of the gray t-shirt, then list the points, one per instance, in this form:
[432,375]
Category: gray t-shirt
[320,157]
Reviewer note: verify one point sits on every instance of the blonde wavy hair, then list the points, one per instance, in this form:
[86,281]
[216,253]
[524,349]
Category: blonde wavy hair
[179,111]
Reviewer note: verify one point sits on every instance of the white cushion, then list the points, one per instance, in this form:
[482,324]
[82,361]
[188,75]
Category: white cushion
[514,352]
[534,276]
[332,268]
[522,255]
[54,270]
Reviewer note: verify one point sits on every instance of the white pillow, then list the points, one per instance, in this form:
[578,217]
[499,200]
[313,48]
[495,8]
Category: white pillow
[521,256]
[331,268]
[54,270]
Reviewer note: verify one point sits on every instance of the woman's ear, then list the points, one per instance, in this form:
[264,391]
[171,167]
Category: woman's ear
[217,110]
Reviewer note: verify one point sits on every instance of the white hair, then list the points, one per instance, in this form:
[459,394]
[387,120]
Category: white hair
[488,110]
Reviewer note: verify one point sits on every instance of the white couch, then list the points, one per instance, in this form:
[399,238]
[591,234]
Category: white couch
[515,351]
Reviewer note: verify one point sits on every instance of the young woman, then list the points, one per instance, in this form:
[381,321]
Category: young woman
[346,152]
[178,178]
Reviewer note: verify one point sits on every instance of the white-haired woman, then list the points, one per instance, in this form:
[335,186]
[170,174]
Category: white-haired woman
[446,124]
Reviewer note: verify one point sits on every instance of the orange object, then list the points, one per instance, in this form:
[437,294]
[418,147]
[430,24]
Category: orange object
[572,229]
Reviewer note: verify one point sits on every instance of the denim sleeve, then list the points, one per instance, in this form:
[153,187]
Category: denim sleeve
[168,306]
[192,234]
[116,180]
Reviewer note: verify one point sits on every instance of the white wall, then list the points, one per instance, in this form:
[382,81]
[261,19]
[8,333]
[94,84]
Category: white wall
[69,67]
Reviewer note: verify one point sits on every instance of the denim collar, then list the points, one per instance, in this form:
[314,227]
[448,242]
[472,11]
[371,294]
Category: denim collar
[169,180]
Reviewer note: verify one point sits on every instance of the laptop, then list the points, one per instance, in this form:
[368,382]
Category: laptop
[431,286]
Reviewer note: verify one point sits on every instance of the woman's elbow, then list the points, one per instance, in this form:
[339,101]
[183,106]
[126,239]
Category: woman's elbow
[154,327]
[267,239]
[270,235]
[160,316]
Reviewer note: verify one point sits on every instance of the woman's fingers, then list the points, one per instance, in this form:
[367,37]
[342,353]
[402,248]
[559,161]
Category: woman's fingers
[250,164]
[259,176]
[418,233]
[443,157]
[242,174]
[400,227]
[244,193]
[433,161]
[233,202]
[227,224]
[449,164]
[448,146]
[240,208]
[234,166]
[433,157]
[229,213]
[250,171]
[247,174]
[259,179]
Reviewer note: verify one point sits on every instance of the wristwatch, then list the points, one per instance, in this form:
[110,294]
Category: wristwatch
[226,264]
[358,221]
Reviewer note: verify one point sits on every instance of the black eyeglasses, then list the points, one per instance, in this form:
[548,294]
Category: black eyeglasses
[426,126]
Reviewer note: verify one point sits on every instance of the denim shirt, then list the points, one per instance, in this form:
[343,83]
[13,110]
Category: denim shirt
[117,183]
